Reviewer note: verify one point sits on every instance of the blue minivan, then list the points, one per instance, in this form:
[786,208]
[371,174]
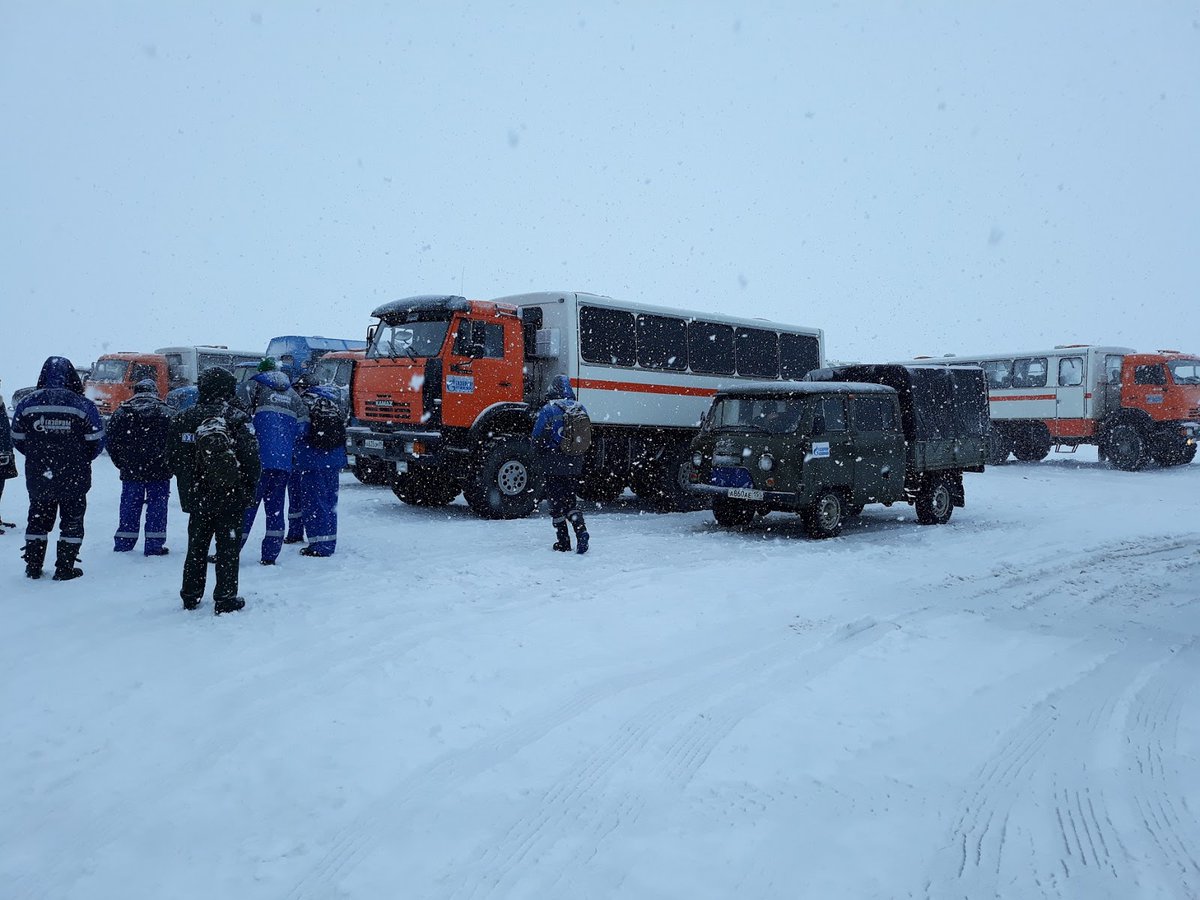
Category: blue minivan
[297,354]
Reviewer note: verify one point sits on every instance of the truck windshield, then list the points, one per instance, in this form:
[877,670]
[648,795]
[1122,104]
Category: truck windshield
[1185,371]
[110,370]
[412,339]
[773,415]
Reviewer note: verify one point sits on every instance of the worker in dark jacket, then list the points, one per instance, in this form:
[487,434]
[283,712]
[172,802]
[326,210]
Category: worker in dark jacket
[280,419]
[562,470]
[8,461]
[137,445]
[214,456]
[317,468]
[60,433]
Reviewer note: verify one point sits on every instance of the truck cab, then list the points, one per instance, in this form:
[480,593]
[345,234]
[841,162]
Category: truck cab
[852,436]
[1159,415]
[439,396]
[111,381]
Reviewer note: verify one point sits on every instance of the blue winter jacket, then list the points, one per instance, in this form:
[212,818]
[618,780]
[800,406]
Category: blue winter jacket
[8,467]
[548,430]
[280,419]
[309,457]
[58,430]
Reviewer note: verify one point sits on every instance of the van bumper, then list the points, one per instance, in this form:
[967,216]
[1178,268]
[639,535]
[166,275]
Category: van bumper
[775,499]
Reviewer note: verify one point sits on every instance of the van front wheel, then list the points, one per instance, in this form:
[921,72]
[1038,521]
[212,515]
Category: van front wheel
[823,519]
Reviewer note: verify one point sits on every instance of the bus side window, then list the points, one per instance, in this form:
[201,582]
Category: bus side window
[1070,371]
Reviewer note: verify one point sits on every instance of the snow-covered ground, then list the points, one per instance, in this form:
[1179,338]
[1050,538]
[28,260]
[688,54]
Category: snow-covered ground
[1006,706]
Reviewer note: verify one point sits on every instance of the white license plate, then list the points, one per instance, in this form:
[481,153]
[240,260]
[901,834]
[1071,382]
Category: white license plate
[373,444]
[744,494]
[401,467]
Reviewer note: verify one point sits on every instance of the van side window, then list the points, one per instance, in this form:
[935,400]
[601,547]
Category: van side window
[607,336]
[1154,375]
[834,411]
[1070,371]
[757,353]
[662,343]
[999,373]
[1029,372]
[799,354]
[874,414]
[710,348]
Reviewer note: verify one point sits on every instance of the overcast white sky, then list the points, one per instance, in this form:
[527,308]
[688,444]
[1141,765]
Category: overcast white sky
[912,177]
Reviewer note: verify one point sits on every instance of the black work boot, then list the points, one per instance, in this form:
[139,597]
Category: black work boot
[228,605]
[581,535]
[64,565]
[563,543]
[34,555]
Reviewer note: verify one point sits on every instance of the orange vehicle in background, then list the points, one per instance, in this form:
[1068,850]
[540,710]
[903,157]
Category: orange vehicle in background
[113,376]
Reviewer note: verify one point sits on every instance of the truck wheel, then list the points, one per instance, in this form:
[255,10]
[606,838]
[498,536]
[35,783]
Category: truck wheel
[935,503]
[732,513]
[999,445]
[1033,445]
[1125,447]
[1174,456]
[501,483]
[424,489]
[601,486]
[368,471]
[824,518]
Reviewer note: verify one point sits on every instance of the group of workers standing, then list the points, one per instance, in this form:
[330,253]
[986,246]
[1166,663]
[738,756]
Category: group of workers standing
[229,454]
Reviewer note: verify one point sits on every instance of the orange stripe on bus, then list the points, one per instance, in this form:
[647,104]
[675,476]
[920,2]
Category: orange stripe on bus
[1024,397]
[640,388]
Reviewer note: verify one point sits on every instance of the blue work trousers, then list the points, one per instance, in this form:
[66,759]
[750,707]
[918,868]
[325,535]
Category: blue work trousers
[295,514]
[152,495]
[272,486]
[319,499]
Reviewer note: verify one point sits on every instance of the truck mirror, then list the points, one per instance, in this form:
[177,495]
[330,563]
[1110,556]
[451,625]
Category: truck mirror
[371,329]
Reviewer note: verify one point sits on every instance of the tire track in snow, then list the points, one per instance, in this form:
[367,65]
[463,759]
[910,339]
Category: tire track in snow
[428,784]
[557,836]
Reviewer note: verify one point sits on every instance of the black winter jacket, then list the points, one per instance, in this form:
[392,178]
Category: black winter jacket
[216,395]
[137,438]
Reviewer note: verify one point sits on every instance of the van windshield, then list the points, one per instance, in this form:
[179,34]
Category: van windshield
[773,415]
[412,339]
[110,370]
[1185,371]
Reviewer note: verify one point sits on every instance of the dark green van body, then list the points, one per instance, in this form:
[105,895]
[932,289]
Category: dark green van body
[826,447]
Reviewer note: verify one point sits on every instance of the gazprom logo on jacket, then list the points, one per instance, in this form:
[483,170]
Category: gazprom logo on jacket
[49,425]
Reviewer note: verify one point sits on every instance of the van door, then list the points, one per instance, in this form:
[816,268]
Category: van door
[879,461]
[831,460]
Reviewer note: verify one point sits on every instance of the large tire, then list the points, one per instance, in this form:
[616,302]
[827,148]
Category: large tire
[732,513]
[601,485]
[420,488]
[1033,444]
[999,446]
[501,483]
[372,471]
[823,519]
[1125,447]
[935,502]
[1177,455]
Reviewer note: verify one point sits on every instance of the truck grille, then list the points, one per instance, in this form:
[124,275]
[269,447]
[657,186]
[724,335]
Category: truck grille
[391,410]
[1194,412]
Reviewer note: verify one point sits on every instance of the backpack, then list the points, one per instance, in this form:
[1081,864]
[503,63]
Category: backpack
[217,466]
[577,430]
[326,425]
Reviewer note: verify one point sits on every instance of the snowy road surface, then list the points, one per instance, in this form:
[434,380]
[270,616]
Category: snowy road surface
[1003,707]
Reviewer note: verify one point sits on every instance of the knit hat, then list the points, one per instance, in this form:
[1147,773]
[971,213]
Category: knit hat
[267,365]
[145,386]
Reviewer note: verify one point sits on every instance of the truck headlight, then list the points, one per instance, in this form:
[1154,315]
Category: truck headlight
[697,458]
[766,462]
